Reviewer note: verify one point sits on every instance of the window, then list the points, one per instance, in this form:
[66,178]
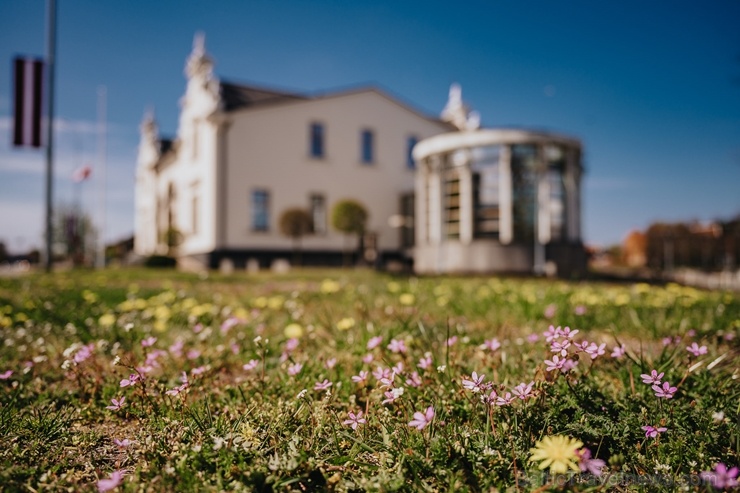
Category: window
[485,168]
[410,143]
[317,140]
[260,210]
[366,138]
[318,213]
[452,203]
[407,213]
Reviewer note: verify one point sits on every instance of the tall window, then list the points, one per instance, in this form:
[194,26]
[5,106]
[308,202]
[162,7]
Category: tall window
[524,190]
[410,143]
[555,177]
[260,210]
[318,213]
[485,168]
[452,203]
[366,138]
[317,140]
[195,214]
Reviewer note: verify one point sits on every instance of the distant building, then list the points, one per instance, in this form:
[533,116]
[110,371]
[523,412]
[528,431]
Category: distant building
[634,249]
[441,193]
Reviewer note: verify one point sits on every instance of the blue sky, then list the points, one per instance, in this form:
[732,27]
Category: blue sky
[651,88]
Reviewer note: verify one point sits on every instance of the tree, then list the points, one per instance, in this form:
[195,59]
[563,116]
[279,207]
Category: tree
[73,234]
[349,217]
[296,223]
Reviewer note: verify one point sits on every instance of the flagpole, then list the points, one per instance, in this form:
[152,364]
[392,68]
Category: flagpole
[50,54]
[102,107]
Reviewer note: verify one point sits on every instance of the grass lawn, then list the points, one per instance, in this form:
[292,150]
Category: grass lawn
[330,380]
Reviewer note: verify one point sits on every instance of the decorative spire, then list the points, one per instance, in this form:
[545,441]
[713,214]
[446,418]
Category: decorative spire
[199,64]
[457,112]
[148,127]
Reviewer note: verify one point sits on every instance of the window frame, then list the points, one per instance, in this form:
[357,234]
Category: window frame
[367,146]
[260,208]
[317,140]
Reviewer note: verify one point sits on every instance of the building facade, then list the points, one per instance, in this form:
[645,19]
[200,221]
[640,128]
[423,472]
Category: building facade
[243,155]
[442,193]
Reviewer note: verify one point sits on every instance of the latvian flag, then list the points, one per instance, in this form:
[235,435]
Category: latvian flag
[28,90]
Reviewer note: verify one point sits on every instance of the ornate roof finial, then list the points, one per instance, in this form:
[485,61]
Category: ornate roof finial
[457,112]
[148,125]
[199,64]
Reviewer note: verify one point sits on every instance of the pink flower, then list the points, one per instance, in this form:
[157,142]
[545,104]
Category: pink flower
[380,373]
[490,399]
[322,385]
[229,323]
[392,394]
[504,400]
[552,333]
[555,364]
[491,344]
[193,354]
[654,377]
[425,362]
[149,341]
[451,341]
[560,347]
[291,345]
[595,351]
[398,368]
[294,369]
[367,359]
[374,342]
[414,380]
[122,443]
[550,310]
[330,363]
[176,348]
[665,392]
[6,375]
[117,404]
[251,365]
[568,333]
[579,310]
[420,420]
[361,377]
[721,477]
[84,353]
[696,350]
[397,346]
[177,390]
[619,351]
[199,370]
[475,383]
[113,482]
[533,338]
[354,420]
[131,380]
[653,432]
[523,390]
[586,463]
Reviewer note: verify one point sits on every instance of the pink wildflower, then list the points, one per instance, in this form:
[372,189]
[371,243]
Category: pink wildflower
[84,353]
[491,344]
[586,463]
[533,337]
[414,380]
[425,362]
[397,346]
[568,333]
[665,392]
[149,341]
[198,370]
[579,310]
[696,350]
[555,364]
[654,377]
[113,482]
[294,369]
[193,354]
[392,394]
[560,347]
[550,310]
[552,333]
[117,404]
[122,443]
[322,385]
[330,363]
[374,342]
[451,341]
[176,348]
[721,477]
[595,351]
[6,374]
[251,365]
[475,382]
[131,380]
[523,390]
[504,400]
[354,420]
[652,431]
[229,323]
[619,351]
[361,377]
[420,420]
[367,359]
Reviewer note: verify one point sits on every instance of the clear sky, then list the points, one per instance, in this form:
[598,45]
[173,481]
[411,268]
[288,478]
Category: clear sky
[651,88]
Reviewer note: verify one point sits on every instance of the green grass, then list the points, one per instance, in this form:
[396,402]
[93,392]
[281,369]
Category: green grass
[263,429]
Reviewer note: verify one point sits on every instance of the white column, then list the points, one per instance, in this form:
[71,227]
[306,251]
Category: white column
[466,204]
[506,223]
[421,205]
[435,201]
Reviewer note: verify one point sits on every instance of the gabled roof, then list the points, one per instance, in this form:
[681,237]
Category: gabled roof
[237,96]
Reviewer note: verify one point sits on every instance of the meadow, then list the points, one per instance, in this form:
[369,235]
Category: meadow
[134,380]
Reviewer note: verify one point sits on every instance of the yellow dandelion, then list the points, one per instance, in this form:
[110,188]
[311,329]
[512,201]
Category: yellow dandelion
[107,320]
[329,286]
[293,331]
[557,452]
[407,299]
[346,323]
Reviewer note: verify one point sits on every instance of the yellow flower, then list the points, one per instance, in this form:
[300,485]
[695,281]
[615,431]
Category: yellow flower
[557,452]
[407,299]
[329,286]
[107,320]
[346,323]
[293,331]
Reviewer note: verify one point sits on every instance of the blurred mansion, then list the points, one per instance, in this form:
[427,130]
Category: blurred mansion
[442,194]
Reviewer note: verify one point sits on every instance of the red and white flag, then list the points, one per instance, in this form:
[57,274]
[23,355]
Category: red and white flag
[29,77]
[81,174]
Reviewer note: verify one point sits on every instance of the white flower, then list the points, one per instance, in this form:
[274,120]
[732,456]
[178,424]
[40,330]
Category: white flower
[718,417]
[441,368]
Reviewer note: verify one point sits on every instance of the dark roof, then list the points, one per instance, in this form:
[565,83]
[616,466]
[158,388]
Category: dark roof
[236,96]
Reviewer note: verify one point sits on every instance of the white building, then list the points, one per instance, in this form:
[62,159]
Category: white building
[243,155]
